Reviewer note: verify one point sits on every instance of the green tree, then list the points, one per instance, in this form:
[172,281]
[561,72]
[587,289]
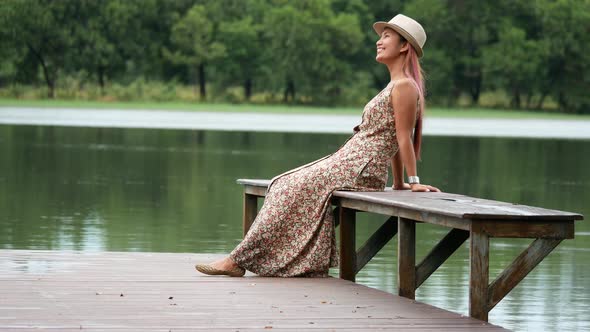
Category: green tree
[438,61]
[242,35]
[243,51]
[99,38]
[114,38]
[8,53]
[39,30]
[469,33]
[514,63]
[565,26]
[308,44]
[195,44]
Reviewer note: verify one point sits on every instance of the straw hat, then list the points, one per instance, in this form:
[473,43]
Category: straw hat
[411,30]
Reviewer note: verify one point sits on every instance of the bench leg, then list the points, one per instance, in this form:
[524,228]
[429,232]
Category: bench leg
[479,255]
[347,219]
[250,211]
[406,258]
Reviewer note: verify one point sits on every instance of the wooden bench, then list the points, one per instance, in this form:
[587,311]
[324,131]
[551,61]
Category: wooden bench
[468,218]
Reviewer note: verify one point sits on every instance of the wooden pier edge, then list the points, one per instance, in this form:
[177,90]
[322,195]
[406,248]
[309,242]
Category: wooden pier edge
[44,290]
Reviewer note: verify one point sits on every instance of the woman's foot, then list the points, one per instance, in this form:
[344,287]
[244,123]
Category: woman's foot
[225,263]
[224,266]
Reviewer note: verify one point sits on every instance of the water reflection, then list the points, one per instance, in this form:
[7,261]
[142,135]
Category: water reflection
[174,191]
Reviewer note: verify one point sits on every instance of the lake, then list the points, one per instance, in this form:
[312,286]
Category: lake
[152,190]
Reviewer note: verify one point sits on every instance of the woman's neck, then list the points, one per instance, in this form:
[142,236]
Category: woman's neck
[396,67]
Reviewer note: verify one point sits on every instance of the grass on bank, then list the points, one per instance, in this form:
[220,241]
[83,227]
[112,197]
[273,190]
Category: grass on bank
[466,112]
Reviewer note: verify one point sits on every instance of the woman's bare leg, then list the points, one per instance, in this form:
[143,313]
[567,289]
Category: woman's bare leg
[225,263]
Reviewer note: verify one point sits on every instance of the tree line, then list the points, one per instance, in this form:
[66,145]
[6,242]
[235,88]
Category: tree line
[301,51]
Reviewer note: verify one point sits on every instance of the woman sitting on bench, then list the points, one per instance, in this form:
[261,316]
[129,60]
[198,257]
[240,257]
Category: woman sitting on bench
[293,234]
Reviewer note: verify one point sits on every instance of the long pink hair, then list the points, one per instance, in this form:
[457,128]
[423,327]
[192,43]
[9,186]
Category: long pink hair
[413,71]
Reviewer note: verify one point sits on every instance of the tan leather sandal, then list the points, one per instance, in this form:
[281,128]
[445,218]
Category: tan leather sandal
[207,269]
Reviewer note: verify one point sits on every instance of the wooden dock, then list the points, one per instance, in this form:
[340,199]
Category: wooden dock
[128,291]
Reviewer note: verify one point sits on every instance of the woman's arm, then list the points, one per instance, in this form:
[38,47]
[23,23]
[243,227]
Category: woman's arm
[397,169]
[403,100]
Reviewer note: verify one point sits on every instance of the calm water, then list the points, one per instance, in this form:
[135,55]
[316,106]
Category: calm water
[174,191]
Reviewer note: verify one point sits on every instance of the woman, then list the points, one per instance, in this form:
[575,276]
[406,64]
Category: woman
[293,234]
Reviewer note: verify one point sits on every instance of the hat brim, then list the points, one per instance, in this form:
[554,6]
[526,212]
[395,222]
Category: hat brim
[380,26]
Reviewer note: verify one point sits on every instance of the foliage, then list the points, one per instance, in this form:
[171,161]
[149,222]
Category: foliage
[304,51]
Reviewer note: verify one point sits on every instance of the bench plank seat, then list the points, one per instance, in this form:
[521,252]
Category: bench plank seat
[446,204]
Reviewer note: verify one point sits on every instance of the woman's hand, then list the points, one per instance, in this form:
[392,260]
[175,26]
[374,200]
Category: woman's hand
[423,187]
[403,186]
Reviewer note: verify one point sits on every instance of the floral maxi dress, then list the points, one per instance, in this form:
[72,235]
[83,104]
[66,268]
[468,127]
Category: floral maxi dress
[293,234]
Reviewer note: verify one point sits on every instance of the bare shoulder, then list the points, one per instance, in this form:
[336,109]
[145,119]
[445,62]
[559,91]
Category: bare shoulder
[404,95]
[405,88]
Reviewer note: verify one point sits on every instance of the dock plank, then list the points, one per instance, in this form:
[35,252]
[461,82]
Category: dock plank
[131,291]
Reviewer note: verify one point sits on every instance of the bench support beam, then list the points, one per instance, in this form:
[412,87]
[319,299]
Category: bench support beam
[439,254]
[519,269]
[376,242]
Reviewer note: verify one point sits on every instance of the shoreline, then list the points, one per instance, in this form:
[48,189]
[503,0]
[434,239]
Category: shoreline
[291,123]
[477,112]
